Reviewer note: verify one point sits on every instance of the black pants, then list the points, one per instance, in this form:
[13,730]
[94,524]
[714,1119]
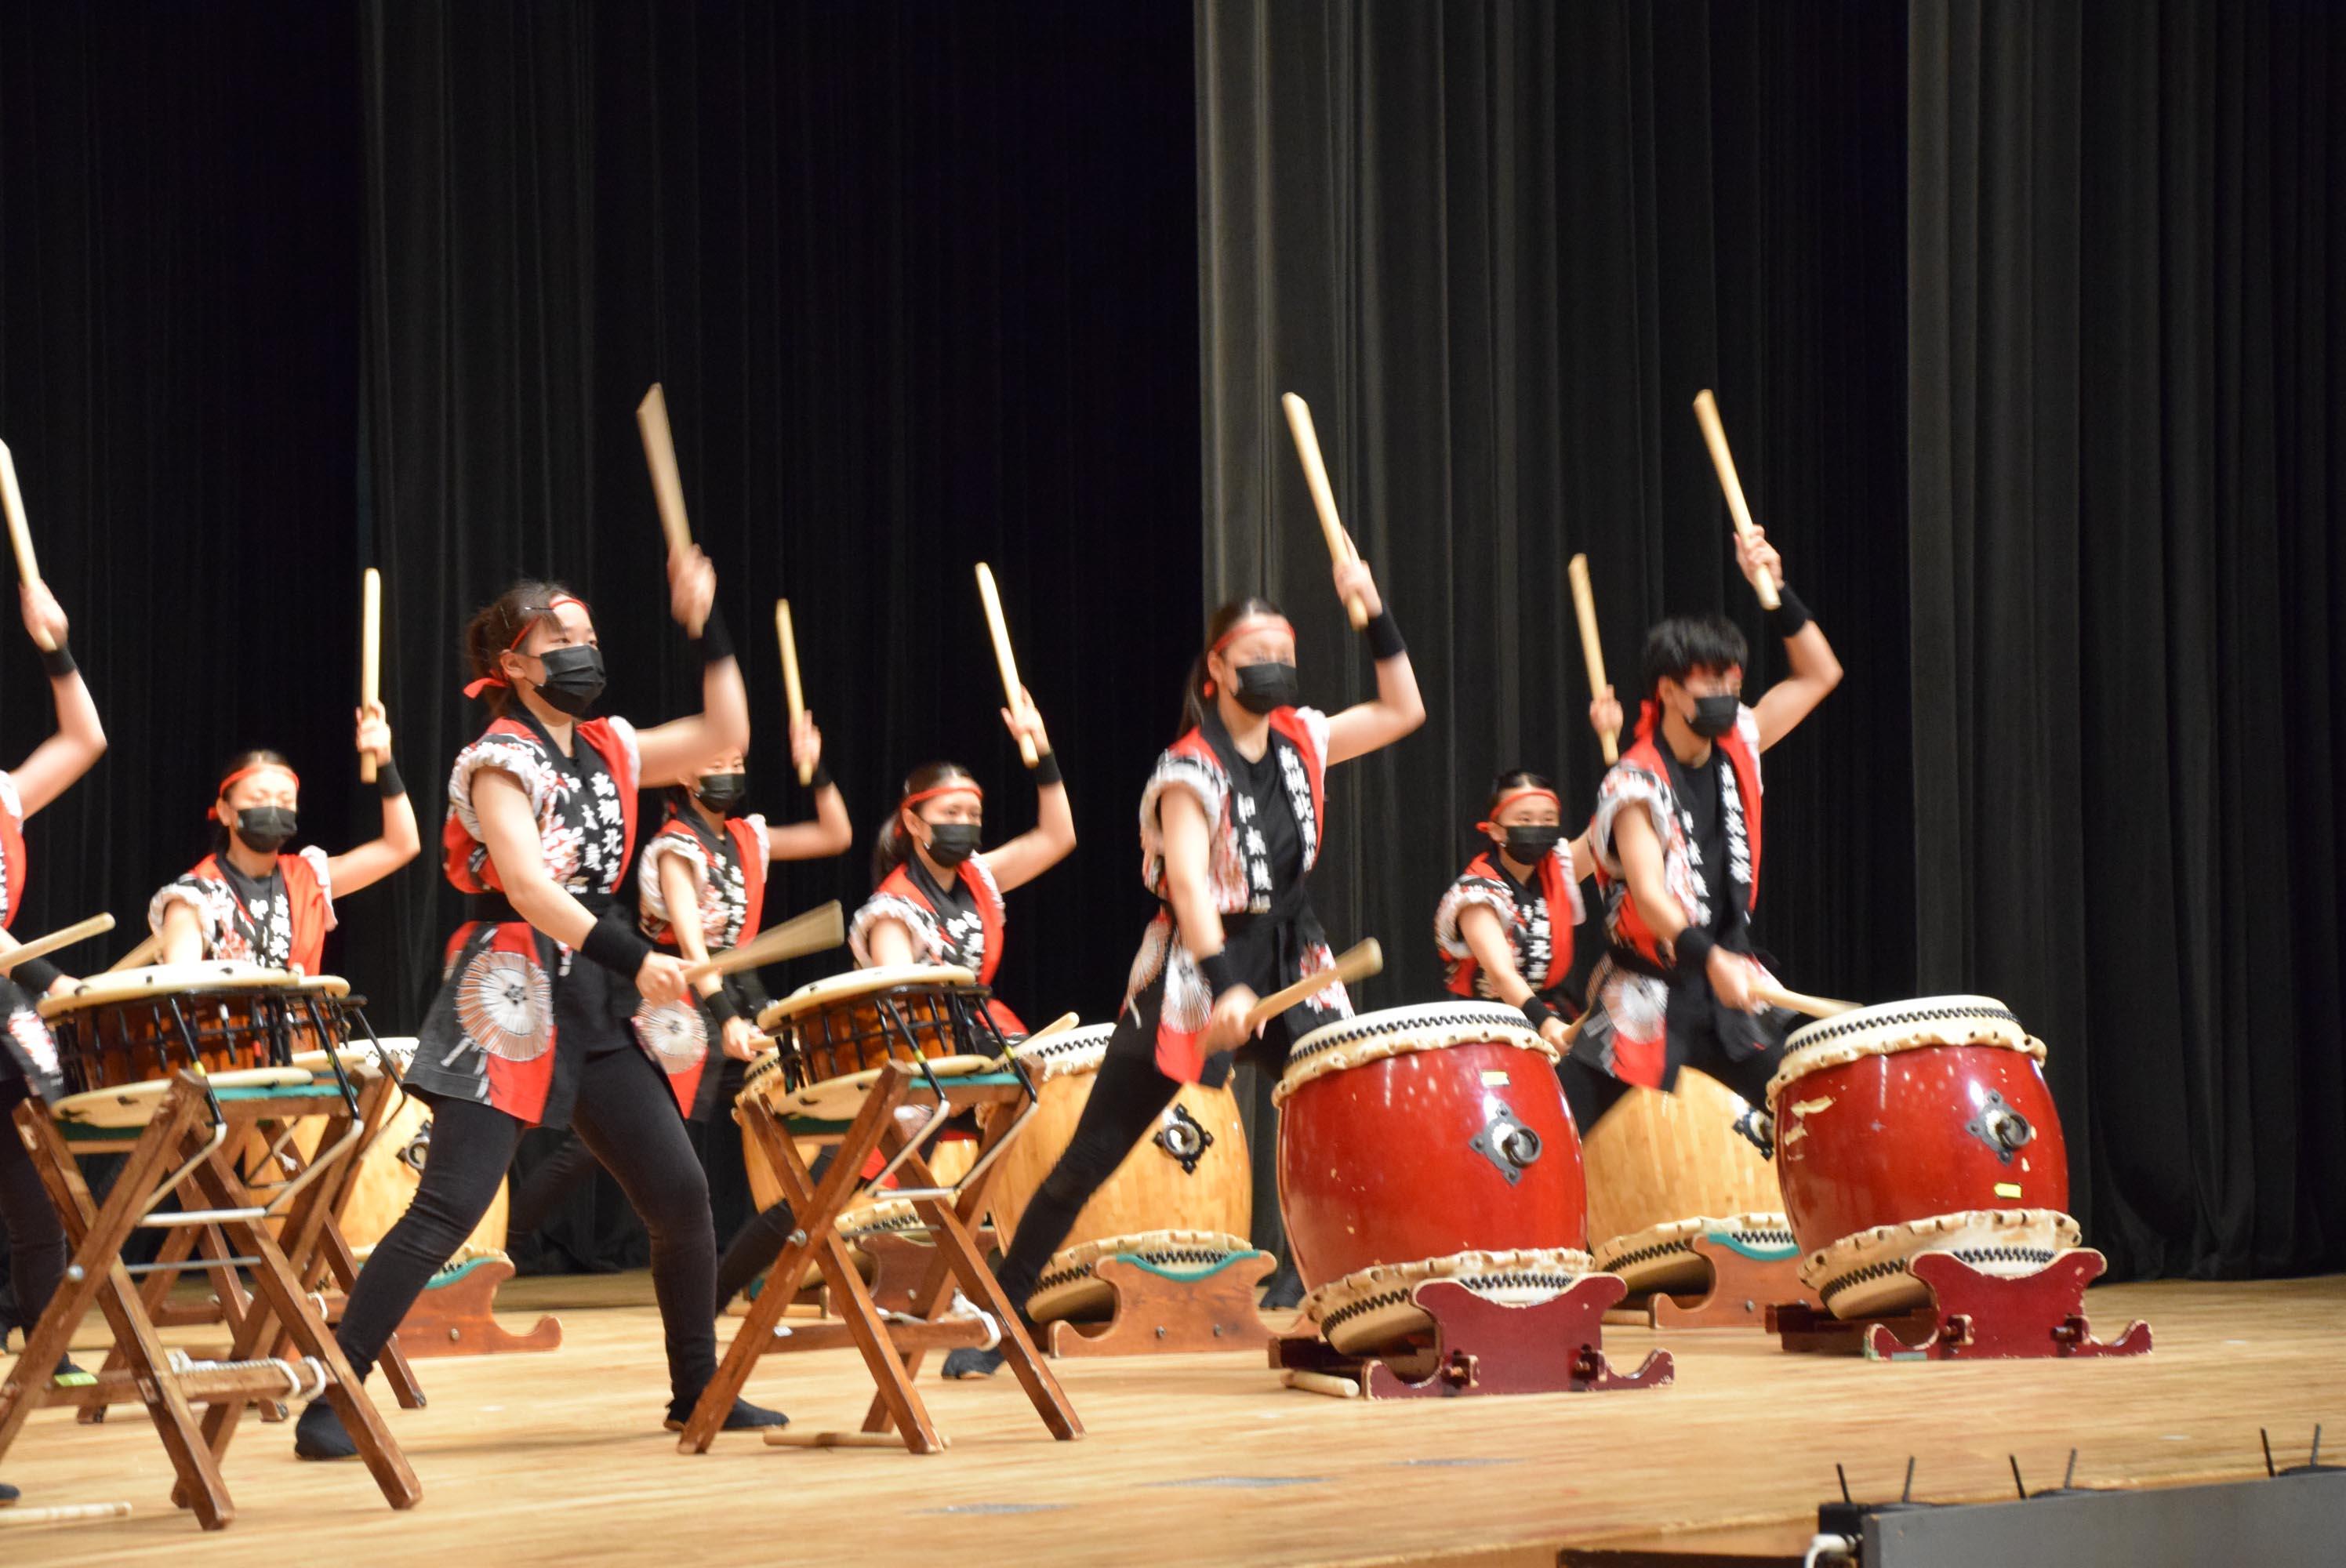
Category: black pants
[628,1120]
[37,1237]
[1591,1091]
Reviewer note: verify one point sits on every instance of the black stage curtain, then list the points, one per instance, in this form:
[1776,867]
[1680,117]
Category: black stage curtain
[2126,507]
[178,380]
[919,284]
[1499,248]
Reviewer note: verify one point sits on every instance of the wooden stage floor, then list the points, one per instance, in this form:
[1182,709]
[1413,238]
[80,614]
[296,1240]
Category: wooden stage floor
[558,1458]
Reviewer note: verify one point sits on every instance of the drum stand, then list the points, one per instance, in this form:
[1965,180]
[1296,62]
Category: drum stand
[1481,1347]
[892,1345]
[1973,1317]
[189,1129]
[1747,1284]
[1160,1312]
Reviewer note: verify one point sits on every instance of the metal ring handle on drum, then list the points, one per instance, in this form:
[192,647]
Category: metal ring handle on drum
[1182,1137]
[2002,1128]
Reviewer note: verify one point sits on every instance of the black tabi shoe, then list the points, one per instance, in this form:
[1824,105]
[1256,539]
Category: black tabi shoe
[8,1494]
[744,1417]
[968,1363]
[319,1434]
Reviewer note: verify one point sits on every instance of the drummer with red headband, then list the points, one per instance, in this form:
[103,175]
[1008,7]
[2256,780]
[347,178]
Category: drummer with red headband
[250,900]
[936,896]
[1676,840]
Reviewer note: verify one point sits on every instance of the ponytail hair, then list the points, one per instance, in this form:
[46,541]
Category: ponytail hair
[891,845]
[497,626]
[258,757]
[1195,702]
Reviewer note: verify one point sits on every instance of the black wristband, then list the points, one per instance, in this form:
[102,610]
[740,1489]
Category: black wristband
[617,946]
[720,1007]
[1046,771]
[821,779]
[715,643]
[58,661]
[35,975]
[1790,617]
[1693,949]
[387,779]
[1220,974]
[1384,636]
[1537,1012]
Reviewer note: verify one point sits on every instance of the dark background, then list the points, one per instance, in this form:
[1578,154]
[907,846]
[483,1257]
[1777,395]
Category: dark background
[2018,317]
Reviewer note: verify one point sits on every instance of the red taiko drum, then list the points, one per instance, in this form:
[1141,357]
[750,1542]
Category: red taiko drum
[1420,1143]
[1917,1126]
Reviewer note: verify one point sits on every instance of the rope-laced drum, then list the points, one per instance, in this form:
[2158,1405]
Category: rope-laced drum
[1182,1202]
[1667,1170]
[1422,1143]
[1918,1127]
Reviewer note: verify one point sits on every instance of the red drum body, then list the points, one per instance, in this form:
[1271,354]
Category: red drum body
[1425,1141]
[1916,1126]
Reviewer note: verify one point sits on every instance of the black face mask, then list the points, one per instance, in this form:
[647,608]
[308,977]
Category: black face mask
[951,843]
[1261,687]
[722,791]
[1715,716]
[1532,845]
[574,678]
[265,829]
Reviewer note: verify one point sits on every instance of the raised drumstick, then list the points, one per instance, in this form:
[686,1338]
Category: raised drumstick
[659,456]
[20,533]
[16,953]
[1357,962]
[1324,498]
[791,678]
[1706,413]
[370,655]
[1584,604]
[814,932]
[1016,693]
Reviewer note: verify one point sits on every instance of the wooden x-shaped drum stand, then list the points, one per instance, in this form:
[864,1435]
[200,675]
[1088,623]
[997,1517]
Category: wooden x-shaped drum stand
[184,1148]
[892,1346]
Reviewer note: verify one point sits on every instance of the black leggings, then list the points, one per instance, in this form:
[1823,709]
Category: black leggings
[626,1118]
[37,1238]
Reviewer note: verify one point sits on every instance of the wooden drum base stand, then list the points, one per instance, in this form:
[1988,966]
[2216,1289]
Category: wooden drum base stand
[1744,1289]
[1158,1313]
[1483,1347]
[1972,1317]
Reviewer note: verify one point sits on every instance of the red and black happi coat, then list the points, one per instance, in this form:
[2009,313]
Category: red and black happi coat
[1626,1034]
[729,868]
[971,940]
[490,1036]
[1239,872]
[1539,931]
[286,930]
[27,1050]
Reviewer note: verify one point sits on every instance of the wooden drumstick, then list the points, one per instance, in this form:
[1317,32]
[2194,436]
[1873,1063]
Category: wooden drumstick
[1706,413]
[818,928]
[70,1513]
[1315,477]
[790,678]
[20,533]
[1059,1026]
[16,952]
[1775,995]
[145,953]
[659,456]
[370,655]
[1005,658]
[1357,962]
[1584,604]
[787,1437]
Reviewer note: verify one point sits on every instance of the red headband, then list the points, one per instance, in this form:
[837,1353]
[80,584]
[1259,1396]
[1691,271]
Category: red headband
[1513,795]
[529,619]
[1247,623]
[955,787]
[228,783]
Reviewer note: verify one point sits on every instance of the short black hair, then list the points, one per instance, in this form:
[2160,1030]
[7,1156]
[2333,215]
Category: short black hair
[1679,646]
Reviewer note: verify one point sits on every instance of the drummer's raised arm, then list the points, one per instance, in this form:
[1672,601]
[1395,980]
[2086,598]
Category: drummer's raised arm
[670,753]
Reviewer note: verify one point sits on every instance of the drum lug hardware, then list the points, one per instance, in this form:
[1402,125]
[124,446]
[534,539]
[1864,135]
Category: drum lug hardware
[1183,1138]
[1507,1144]
[1999,1127]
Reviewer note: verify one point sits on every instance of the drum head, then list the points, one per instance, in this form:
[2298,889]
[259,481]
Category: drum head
[1397,1031]
[125,985]
[862,983]
[1893,1026]
[1068,1054]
